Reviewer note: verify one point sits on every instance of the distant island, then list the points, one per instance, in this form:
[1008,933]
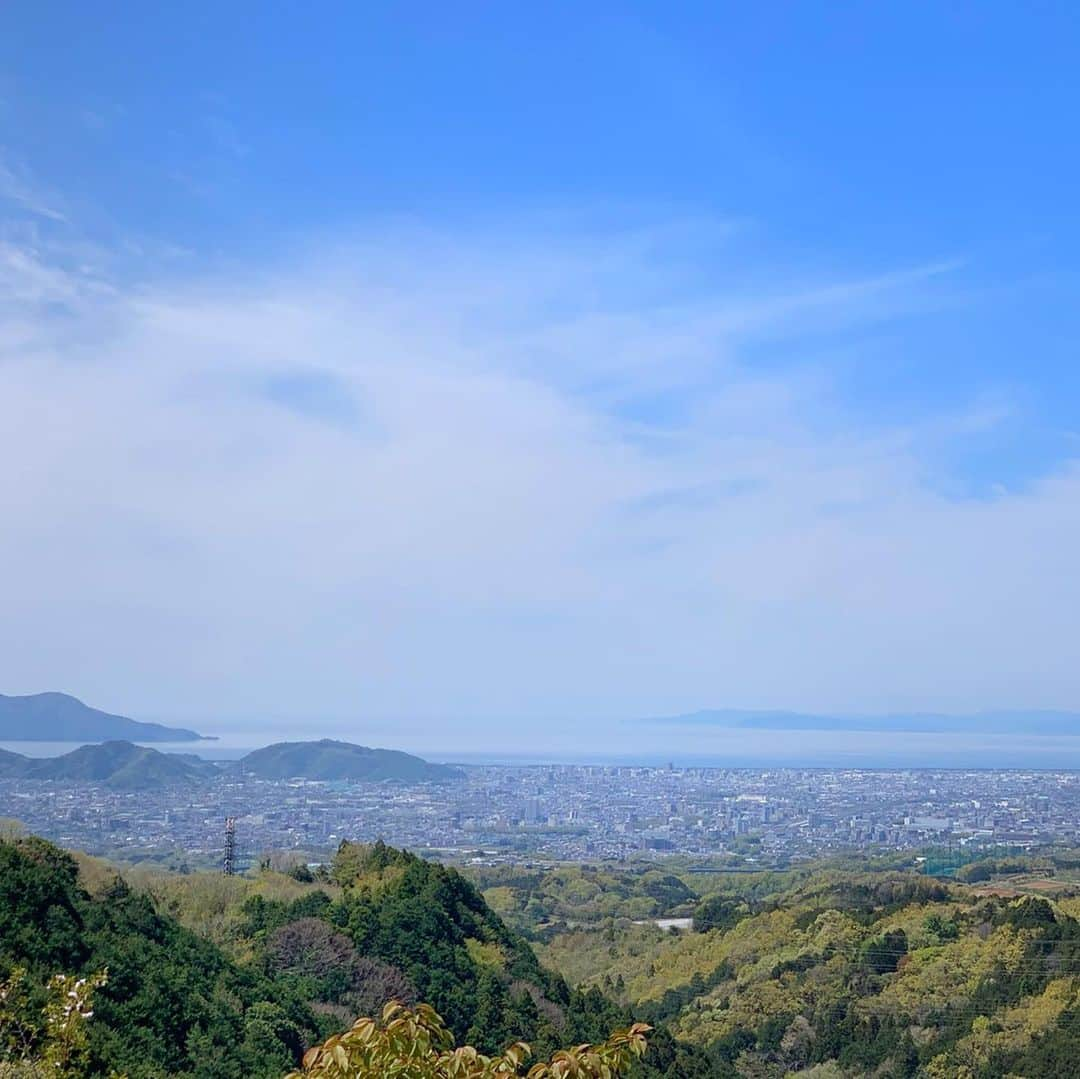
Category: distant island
[58,717]
[328,760]
[1004,722]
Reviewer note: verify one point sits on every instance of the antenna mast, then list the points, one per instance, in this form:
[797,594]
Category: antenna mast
[229,865]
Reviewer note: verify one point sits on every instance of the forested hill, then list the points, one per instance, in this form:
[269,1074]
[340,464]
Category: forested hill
[827,973]
[123,765]
[327,759]
[231,978]
[853,975]
[175,1004]
[114,764]
[58,717]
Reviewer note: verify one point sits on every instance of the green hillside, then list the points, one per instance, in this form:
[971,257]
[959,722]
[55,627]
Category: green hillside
[330,760]
[531,899]
[852,975]
[121,765]
[174,1004]
[229,978]
[820,972]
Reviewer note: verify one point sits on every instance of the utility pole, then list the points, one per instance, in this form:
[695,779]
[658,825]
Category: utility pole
[229,866]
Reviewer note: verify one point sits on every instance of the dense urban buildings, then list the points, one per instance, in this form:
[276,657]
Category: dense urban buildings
[566,813]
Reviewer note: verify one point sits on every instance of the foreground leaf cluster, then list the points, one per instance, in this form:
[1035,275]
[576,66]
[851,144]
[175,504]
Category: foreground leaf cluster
[415,1044]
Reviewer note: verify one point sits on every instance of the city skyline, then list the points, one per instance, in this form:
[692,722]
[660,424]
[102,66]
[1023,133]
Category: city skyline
[572,813]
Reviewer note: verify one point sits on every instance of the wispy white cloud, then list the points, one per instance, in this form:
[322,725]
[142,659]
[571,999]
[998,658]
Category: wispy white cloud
[16,187]
[401,477]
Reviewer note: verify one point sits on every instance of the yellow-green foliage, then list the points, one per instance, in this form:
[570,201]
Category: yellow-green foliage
[210,903]
[647,959]
[1069,905]
[946,976]
[415,1044]
[754,949]
[378,881]
[485,954]
[829,1070]
[11,829]
[1010,1030]
[581,894]
[767,954]
[501,899]
[880,946]
[95,874]
[55,1044]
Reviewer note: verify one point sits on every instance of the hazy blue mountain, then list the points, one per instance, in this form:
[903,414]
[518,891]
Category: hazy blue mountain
[122,765]
[327,759]
[57,717]
[13,765]
[1010,722]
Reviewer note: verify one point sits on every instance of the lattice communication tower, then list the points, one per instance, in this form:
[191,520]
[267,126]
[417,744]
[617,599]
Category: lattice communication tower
[229,865]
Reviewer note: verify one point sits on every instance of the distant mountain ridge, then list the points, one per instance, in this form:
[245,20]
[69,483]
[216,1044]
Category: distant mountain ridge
[117,764]
[12,764]
[126,766]
[327,759]
[59,717]
[1003,722]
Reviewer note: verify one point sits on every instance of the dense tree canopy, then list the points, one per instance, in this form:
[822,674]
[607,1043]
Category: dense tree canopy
[173,1004]
[829,973]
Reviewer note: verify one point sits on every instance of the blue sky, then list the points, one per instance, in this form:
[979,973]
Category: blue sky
[476,360]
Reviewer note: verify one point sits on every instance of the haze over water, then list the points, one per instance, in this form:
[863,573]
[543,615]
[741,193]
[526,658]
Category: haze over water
[625,744]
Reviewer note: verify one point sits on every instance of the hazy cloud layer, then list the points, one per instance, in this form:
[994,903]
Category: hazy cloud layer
[442,477]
